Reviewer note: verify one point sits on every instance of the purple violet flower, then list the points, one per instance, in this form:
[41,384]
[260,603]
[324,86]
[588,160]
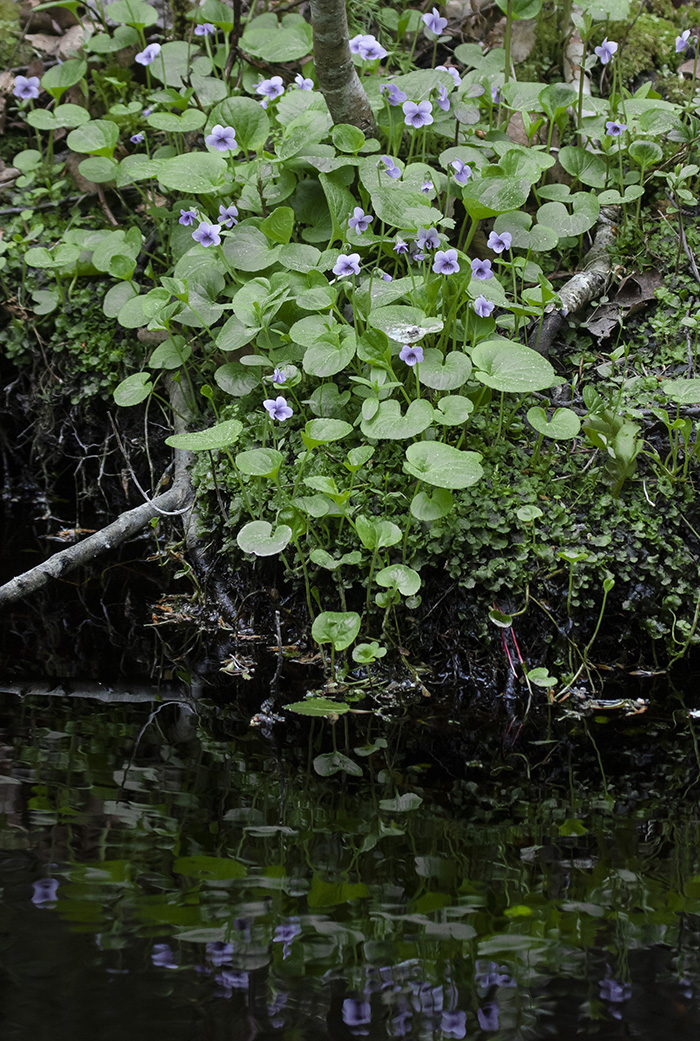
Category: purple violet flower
[496,95]
[271,88]
[427,238]
[606,51]
[394,95]
[442,99]
[614,129]
[354,44]
[227,215]
[434,22]
[223,139]
[682,41]
[136,139]
[26,87]
[44,891]
[400,246]
[347,264]
[205,29]
[278,408]
[278,376]
[417,115]
[411,354]
[427,187]
[416,254]
[371,49]
[452,71]
[360,220]
[146,112]
[392,170]
[386,277]
[303,82]
[207,234]
[462,171]
[445,262]
[499,243]
[483,307]
[149,54]
[481,269]
[187,217]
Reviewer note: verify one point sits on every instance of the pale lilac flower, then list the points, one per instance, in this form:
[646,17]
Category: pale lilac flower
[481,269]
[278,408]
[278,376]
[223,139]
[392,170]
[416,254]
[682,41]
[499,243]
[148,55]
[496,95]
[163,956]
[44,891]
[354,44]
[417,115]
[606,51]
[427,238]
[26,87]
[614,129]
[360,220]
[427,187]
[146,112]
[395,96]
[446,262]
[400,246]
[411,354]
[207,234]
[187,217]
[264,103]
[442,99]
[219,953]
[386,277]
[434,22]
[462,171]
[206,29]
[370,49]
[227,215]
[347,264]
[452,71]
[303,83]
[483,307]
[271,88]
[136,139]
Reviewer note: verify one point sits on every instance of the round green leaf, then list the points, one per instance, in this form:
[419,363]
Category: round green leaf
[134,389]
[563,425]
[98,137]
[323,431]
[646,153]
[170,354]
[347,138]
[684,392]
[587,167]
[403,324]
[325,359]
[529,513]
[442,466]
[259,462]
[251,123]
[59,78]
[430,507]
[398,576]
[191,119]
[453,410]
[202,173]
[511,367]
[388,423]
[99,169]
[444,372]
[45,301]
[221,435]
[131,12]
[338,628]
[248,249]
[258,537]
[266,38]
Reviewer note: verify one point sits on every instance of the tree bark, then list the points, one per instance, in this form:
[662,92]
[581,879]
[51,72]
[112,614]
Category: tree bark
[337,78]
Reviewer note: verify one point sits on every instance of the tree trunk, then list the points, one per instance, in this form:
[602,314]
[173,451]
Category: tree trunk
[337,78]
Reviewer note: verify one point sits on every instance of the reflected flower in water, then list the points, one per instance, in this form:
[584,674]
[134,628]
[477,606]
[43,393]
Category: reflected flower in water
[219,953]
[162,956]
[614,991]
[357,1015]
[488,1016]
[426,998]
[286,933]
[45,891]
[400,1025]
[488,973]
[231,981]
[454,1024]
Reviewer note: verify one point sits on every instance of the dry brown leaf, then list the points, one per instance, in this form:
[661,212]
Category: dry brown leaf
[8,174]
[58,46]
[687,69]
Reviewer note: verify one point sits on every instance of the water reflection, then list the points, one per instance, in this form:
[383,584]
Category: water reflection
[199,880]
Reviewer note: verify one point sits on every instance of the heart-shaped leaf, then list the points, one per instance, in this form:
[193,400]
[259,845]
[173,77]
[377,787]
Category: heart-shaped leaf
[511,367]
[444,372]
[389,424]
[221,435]
[258,537]
[443,466]
[259,462]
[563,425]
[133,390]
[430,507]
[398,576]
[338,628]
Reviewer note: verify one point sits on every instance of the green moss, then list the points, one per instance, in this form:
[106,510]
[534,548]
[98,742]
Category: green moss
[10,35]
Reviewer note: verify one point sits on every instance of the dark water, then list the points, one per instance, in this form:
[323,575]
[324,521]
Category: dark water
[178,871]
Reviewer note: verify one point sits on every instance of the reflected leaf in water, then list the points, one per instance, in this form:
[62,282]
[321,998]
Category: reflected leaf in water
[45,891]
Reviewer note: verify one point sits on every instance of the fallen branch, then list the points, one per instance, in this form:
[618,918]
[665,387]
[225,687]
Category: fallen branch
[176,501]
